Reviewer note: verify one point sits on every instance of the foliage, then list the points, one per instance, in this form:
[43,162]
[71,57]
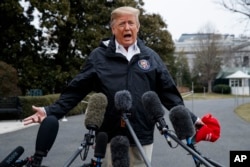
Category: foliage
[199,88]
[183,76]
[19,41]
[48,57]
[8,80]
[28,101]
[223,89]
[154,32]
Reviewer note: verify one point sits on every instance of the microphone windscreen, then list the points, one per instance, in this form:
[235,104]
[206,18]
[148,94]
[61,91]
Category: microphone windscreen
[101,144]
[12,157]
[119,146]
[182,122]
[152,104]
[95,111]
[123,100]
[46,135]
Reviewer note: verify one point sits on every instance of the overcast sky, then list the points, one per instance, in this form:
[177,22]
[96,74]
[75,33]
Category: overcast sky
[189,16]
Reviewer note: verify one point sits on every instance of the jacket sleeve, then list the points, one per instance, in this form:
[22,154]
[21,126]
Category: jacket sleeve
[167,90]
[78,88]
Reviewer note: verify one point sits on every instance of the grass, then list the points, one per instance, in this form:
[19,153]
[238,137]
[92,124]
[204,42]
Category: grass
[205,96]
[243,111]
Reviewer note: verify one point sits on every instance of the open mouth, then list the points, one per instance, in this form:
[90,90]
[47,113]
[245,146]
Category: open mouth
[127,35]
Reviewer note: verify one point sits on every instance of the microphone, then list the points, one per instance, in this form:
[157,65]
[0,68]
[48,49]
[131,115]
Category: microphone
[179,117]
[46,135]
[95,111]
[94,116]
[182,122]
[100,148]
[12,157]
[123,103]
[119,146]
[153,106]
[184,129]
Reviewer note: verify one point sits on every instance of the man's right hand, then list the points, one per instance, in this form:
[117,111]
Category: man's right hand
[38,117]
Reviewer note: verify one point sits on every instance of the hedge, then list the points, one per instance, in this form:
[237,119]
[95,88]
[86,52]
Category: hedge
[28,101]
[221,88]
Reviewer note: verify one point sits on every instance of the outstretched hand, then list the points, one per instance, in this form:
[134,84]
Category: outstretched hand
[38,117]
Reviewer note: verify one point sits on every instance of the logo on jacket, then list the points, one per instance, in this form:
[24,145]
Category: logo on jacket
[144,64]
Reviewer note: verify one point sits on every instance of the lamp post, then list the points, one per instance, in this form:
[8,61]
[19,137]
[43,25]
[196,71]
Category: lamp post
[204,88]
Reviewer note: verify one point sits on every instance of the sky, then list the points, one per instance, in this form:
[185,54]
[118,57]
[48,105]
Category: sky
[190,16]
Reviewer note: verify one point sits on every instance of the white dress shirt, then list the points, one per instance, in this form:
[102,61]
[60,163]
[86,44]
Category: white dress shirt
[132,50]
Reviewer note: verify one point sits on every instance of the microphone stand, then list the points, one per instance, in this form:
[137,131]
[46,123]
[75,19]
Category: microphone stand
[88,141]
[216,164]
[138,144]
[163,128]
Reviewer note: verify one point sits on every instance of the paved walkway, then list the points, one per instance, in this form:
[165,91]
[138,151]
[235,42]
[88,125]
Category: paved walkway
[235,135]
[11,125]
[7,126]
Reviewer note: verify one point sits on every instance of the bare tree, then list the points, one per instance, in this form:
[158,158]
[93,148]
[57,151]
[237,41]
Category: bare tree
[237,6]
[241,7]
[208,53]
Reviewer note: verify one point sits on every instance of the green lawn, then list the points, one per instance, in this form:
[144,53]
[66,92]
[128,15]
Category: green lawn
[242,111]
[205,96]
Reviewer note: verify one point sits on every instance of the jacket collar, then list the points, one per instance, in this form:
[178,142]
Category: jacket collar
[109,44]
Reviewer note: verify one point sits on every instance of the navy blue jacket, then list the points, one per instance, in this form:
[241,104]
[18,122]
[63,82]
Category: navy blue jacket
[108,72]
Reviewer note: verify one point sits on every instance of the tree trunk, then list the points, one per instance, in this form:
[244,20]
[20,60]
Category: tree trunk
[209,89]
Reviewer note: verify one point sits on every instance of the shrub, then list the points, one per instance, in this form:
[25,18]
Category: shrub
[223,89]
[28,101]
[198,89]
[9,80]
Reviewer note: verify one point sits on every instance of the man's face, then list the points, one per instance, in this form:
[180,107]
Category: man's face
[125,29]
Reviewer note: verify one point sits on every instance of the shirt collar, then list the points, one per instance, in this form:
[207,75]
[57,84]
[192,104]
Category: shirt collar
[134,46]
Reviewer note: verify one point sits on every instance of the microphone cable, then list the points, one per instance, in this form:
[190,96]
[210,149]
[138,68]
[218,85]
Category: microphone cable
[164,130]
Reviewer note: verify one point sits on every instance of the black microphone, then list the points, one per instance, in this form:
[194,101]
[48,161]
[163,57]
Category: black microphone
[184,129]
[179,117]
[12,157]
[119,146]
[46,135]
[153,106]
[100,148]
[95,111]
[123,103]
[182,122]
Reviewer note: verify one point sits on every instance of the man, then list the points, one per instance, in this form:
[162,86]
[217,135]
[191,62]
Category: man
[121,62]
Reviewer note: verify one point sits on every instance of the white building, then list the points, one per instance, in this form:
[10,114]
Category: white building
[237,50]
[239,83]
[236,54]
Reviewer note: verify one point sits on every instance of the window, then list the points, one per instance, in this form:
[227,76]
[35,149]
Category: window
[235,82]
